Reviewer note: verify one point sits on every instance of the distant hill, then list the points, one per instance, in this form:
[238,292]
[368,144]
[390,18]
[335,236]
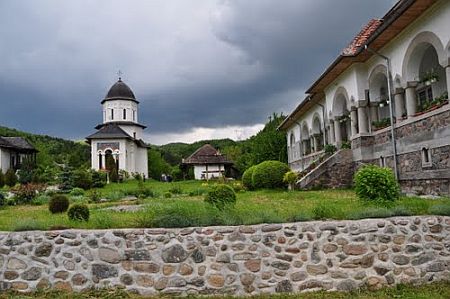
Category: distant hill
[54,150]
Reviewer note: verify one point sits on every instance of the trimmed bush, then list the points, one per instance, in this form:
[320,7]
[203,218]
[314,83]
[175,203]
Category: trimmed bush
[247,178]
[78,212]
[376,184]
[58,204]
[221,196]
[269,174]
[10,178]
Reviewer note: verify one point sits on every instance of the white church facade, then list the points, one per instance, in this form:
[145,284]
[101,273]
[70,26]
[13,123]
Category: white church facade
[120,135]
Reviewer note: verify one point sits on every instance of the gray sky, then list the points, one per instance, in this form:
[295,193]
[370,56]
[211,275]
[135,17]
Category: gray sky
[200,68]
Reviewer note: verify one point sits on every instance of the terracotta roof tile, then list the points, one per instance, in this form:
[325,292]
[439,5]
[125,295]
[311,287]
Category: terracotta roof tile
[362,37]
[207,154]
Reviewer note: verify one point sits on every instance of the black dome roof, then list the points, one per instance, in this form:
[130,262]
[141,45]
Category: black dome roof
[120,91]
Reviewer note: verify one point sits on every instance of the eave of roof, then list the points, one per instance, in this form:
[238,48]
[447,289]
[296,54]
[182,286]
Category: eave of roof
[119,98]
[124,123]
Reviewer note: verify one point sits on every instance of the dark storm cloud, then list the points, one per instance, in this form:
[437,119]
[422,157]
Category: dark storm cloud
[191,64]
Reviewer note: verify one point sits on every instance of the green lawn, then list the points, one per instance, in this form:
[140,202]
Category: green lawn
[188,209]
[439,290]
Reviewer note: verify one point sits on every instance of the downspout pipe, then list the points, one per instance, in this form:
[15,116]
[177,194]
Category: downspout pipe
[391,105]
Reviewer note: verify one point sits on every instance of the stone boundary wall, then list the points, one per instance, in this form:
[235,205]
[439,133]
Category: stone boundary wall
[270,258]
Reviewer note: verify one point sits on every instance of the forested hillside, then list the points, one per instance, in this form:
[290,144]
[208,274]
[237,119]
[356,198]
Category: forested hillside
[54,150]
[268,144]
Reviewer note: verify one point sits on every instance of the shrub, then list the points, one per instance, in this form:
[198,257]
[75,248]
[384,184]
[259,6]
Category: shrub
[376,184]
[40,200]
[82,179]
[66,179]
[237,187]
[78,212]
[247,178]
[58,204]
[197,192]
[3,200]
[290,178]
[10,178]
[2,179]
[98,179]
[11,201]
[167,194]
[269,174]
[371,212]
[27,225]
[116,195]
[25,193]
[346,145]
[440,209]
[330,149]
[326,211]
[220,196]
[176,190]
[114,175]
[77,192]
[401,211]
[142,191]
[94,196]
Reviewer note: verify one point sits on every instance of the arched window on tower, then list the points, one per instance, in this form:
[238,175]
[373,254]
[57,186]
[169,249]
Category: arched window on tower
[112,114]
[124,113]
[134,115]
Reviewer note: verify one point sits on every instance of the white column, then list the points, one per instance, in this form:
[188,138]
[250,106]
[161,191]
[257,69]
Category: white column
[331,132]
[337,132]
[411,98]
[399,103]
[354,121]
[362,120]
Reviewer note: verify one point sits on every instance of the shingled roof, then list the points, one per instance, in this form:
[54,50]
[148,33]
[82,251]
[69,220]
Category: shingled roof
[362,37]
[17,143]
[207,154]
[113,131]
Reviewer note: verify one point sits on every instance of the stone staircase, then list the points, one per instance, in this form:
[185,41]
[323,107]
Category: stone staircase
[334,172]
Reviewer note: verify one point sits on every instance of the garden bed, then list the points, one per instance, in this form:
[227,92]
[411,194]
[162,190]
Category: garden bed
[186,207]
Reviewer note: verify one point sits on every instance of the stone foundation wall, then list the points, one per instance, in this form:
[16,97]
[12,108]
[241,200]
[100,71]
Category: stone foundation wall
[294,257]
